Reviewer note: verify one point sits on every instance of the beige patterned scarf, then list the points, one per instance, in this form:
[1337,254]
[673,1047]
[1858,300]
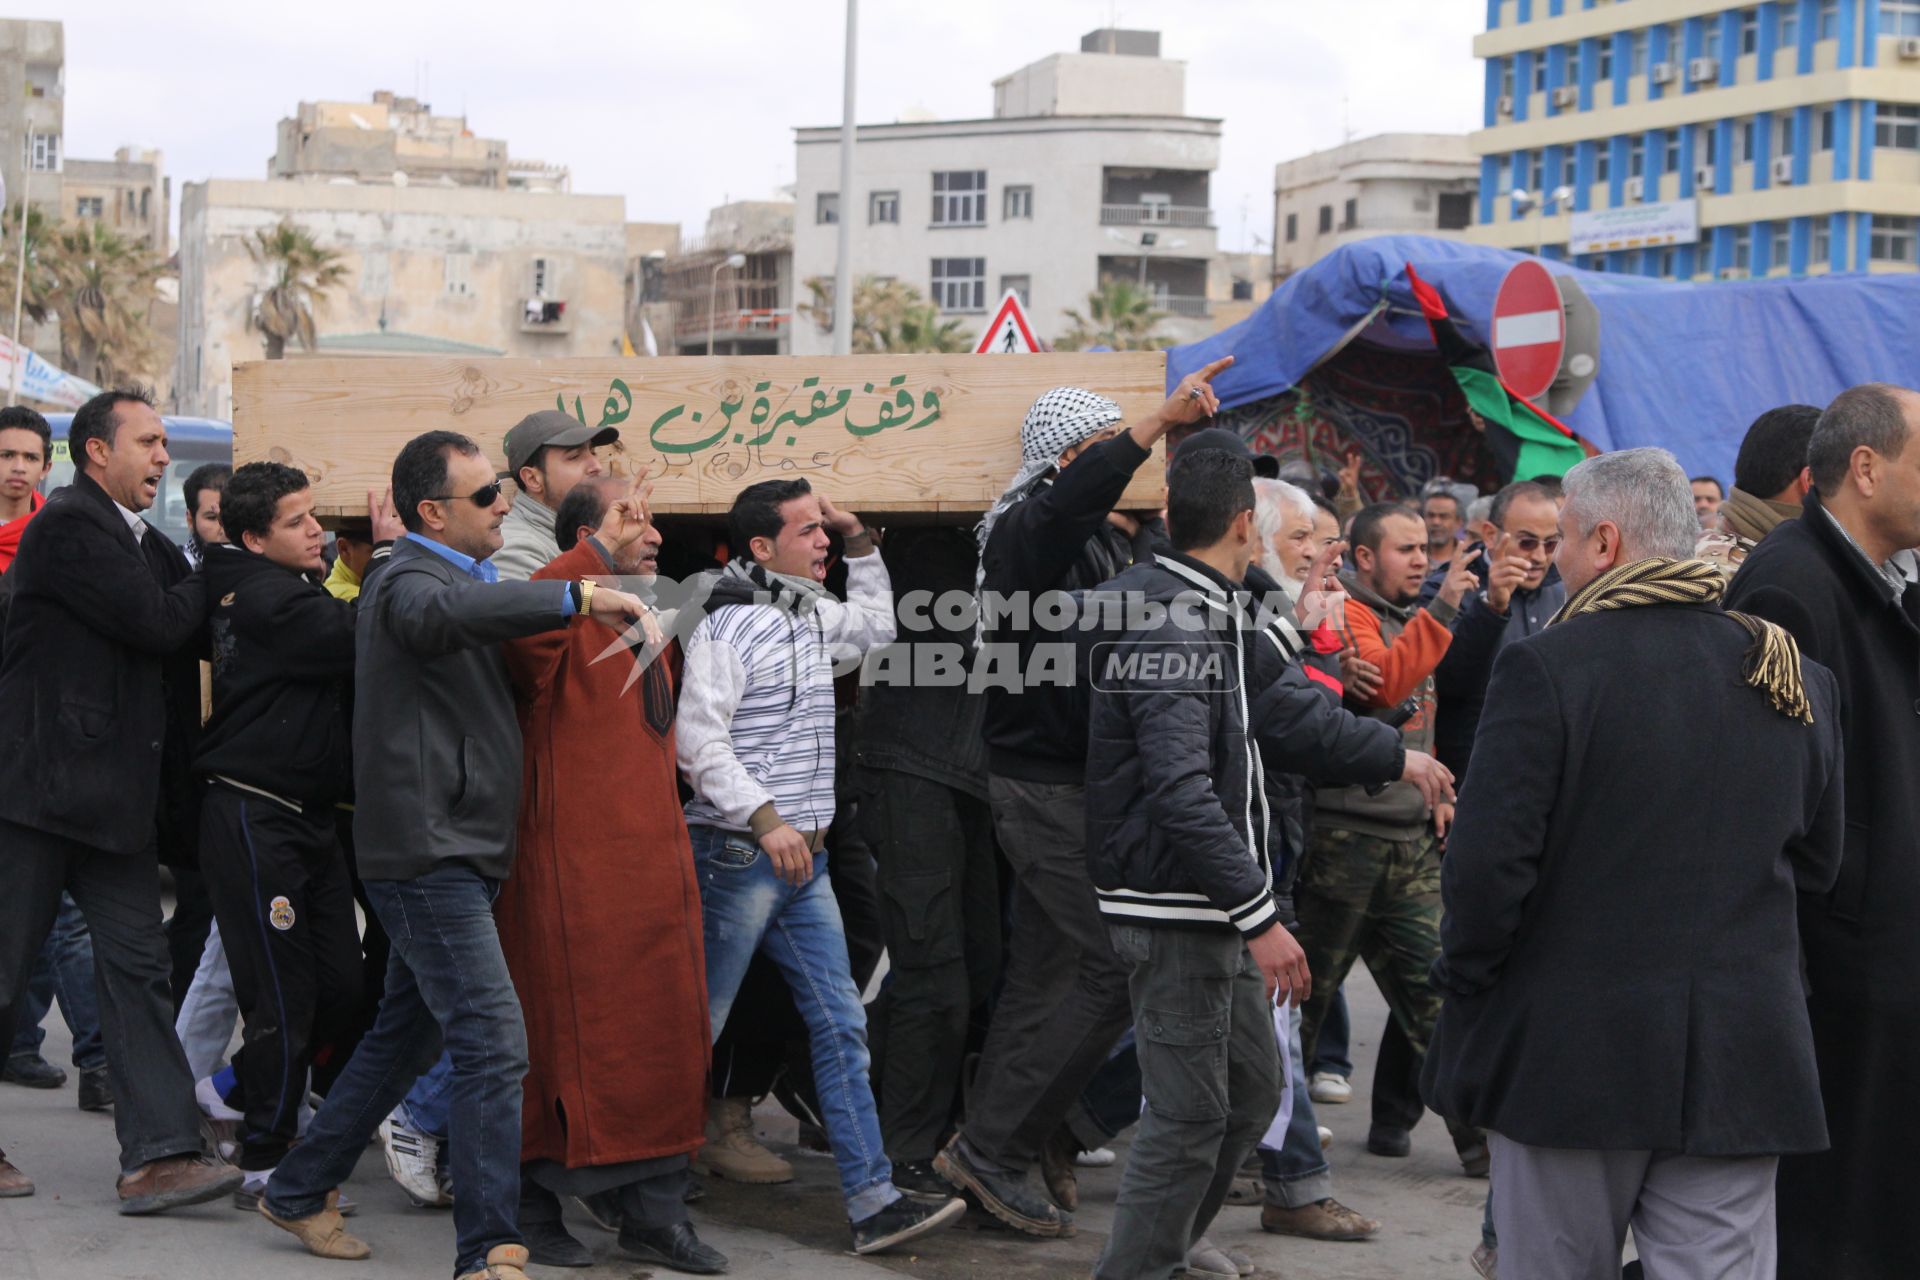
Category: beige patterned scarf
[1772,661]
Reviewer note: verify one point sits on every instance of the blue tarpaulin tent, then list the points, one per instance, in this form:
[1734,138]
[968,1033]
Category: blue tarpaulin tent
[1683,366]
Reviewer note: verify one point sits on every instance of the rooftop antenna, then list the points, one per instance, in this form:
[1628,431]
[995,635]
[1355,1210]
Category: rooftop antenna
[1346,116]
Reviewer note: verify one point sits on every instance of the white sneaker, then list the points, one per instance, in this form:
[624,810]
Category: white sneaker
[413,1158]
[1329,1087]
[1326,1137]
[1098,1158]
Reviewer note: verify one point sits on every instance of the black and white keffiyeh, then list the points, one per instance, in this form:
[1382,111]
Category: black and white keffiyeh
[1058,420]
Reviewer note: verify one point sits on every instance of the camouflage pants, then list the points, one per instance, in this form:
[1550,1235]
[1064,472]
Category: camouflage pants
[1362,897]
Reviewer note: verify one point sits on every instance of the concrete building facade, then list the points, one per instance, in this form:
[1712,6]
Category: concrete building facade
[430,269]
[374,140]
[1088,169]
[33,58]
[746,310]
[1701,140]
[1424,183]
[130,193]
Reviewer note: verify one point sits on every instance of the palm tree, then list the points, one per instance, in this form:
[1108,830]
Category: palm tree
[37,284]
[879,308]
[1119,315]
[101,290]
[302,273]
[920,329]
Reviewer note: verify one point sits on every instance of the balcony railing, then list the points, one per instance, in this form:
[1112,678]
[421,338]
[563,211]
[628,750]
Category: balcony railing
[1193,308]
[1155,215]
[767,320]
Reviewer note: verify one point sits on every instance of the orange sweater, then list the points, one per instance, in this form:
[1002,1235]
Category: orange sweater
[1410,659]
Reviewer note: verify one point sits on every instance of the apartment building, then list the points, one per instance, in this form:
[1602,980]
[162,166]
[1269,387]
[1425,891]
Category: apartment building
[1088,169]
[1688,139]
[1391,183]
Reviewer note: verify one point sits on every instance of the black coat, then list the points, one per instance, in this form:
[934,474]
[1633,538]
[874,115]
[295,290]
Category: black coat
[99,686]
[1844,1214]
[282,678]
[1618,955]
[1057,539]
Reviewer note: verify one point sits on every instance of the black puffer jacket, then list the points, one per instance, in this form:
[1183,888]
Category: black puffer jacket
[1179,834]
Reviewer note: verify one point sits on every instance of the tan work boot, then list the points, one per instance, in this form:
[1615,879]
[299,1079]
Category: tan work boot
[504,1262]
[325,1233]
[1322,1220]
[732,1152]
[13,1183]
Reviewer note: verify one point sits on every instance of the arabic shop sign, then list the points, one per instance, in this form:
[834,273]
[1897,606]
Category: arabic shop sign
[680,430]
[1635,226]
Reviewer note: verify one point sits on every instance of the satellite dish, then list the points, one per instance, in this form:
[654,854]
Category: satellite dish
[399,177]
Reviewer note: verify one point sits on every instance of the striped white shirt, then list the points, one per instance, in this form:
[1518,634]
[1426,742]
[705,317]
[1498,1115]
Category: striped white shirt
[756,708]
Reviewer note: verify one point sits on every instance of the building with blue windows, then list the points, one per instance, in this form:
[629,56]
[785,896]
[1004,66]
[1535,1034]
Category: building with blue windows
[1689,139]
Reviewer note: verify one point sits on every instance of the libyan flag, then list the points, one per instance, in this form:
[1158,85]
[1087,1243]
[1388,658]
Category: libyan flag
[1525,441]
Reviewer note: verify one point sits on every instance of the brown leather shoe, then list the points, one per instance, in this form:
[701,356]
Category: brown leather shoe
[1056,1169]
[1322,1220]
[13,1183]
[325,1233]
[504,1262]
[175,1181]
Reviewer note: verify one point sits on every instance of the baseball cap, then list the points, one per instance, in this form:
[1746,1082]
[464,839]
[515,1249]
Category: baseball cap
[551,427]
[1265,465]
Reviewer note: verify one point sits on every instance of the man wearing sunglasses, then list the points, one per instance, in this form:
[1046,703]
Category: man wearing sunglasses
[436,771]
[1520,592]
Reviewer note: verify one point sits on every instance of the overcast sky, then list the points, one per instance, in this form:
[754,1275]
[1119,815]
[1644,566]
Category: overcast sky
[679,106]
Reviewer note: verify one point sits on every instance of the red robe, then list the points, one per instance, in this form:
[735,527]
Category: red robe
[600,921]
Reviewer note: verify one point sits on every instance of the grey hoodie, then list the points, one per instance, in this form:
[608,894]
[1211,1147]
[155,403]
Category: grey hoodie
[529,545]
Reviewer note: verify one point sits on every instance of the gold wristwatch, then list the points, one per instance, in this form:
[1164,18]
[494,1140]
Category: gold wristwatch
[586,596]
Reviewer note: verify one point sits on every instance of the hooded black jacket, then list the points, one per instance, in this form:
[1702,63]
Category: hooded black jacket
[1179,828]
[282,678]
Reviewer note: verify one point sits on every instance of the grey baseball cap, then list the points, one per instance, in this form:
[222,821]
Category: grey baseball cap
[551,427]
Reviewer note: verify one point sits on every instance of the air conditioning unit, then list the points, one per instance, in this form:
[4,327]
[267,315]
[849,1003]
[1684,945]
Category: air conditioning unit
[1703,178]
[1503,105]
[1566,96]
[1663,73]
[1783,170]
[1733,273]
[1909,47]
[1703,70]
[1636,188]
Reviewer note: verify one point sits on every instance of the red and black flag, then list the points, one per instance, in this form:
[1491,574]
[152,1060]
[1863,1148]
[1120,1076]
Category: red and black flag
[1525,441]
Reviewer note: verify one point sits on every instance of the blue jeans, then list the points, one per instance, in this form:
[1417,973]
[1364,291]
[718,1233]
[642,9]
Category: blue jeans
[1297,1174]
[427,1103]
[64,967]
[447,979]
[745,908]
[1330,1052]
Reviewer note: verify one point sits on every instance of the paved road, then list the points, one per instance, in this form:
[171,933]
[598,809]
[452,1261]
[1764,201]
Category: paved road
[69,1231]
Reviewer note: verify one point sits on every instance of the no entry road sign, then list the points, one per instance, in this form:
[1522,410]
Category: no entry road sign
[1529,330]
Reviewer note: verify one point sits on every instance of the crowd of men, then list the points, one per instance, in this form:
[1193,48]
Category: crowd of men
[482,825]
